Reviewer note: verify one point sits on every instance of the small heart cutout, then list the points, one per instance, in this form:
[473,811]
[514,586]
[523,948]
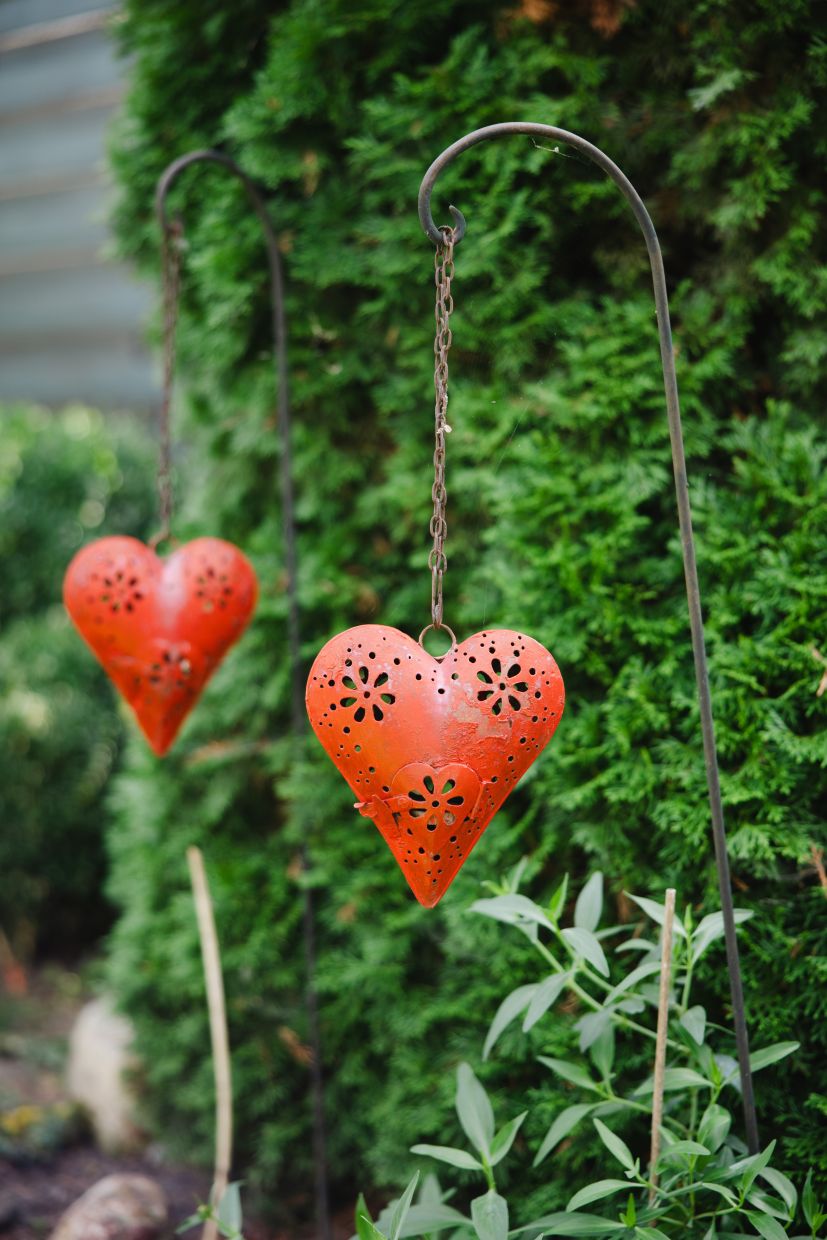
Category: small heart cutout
[432,747]
[160,627]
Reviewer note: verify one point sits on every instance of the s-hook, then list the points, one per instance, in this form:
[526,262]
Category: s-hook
[172,233]
[684,517]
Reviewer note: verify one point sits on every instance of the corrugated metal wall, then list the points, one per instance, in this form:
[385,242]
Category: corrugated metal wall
[71,320]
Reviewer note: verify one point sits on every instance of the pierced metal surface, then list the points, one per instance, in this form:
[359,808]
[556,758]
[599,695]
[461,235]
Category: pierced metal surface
[160,627]
[432,747]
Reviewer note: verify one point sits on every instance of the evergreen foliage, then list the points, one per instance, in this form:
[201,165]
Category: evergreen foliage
[63,478]
[561,517]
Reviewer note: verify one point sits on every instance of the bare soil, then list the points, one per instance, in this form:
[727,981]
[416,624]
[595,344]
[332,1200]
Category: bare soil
[33,1197]
[39,1182]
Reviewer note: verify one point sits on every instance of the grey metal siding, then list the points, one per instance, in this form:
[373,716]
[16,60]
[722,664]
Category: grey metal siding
[71,320]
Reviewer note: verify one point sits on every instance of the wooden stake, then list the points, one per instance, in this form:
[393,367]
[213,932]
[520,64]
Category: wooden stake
[218,1033]
[663,1027]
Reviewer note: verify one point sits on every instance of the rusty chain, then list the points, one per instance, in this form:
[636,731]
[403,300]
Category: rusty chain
[171,264]
[437,559]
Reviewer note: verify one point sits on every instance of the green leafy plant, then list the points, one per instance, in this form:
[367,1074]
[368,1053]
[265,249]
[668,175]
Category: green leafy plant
[704,1182]
[227,1215]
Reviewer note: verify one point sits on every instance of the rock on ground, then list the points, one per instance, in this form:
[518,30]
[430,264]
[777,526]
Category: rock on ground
[119,1207]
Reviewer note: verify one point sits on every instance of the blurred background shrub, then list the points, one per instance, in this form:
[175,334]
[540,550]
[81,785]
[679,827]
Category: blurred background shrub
[64,478]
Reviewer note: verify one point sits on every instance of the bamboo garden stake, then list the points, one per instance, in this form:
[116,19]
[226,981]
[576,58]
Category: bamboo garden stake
[663,1025]
[218,1034]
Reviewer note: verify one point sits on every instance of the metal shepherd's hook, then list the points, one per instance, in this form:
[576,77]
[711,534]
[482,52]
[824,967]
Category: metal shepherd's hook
[172,232]
[684,516]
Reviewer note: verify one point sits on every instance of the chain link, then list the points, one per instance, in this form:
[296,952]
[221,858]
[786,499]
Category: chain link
[171,264]
[443,274]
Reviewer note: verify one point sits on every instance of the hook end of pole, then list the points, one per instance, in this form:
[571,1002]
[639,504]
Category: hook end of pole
[459,224]
[434,231]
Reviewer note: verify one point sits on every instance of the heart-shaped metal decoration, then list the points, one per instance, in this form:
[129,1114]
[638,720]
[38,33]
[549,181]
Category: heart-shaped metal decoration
[160,627]
[433,746]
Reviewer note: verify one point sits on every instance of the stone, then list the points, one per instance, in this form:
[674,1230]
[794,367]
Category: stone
[119,1207]
[100,1061]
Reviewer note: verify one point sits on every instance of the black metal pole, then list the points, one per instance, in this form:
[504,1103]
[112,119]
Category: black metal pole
[693,592]
[298,721]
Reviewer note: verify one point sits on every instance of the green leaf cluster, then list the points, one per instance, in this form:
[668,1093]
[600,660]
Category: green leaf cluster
[701,1181]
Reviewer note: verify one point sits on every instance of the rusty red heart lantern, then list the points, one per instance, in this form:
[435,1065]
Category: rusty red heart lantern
[160,627]
[432,747]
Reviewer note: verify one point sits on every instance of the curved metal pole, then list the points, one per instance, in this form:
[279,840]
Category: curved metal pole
[288,508]
[693,592]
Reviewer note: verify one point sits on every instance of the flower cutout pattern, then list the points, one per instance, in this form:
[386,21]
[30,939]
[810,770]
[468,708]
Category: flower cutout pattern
[501,687]
[365,695]
[437,808]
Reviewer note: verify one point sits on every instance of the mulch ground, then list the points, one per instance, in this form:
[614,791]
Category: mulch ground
[37,1184]
[33,1197]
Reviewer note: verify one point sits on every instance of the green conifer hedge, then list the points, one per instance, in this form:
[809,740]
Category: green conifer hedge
[561,514]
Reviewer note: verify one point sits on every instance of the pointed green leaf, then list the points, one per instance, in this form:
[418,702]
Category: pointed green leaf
[675,1078]
[474,1110]
[602,1050]
[228,1213]
[570,1072]
[449,1154]
[596,1192]
[783,1186]
[558,900]
[504,1139]
[489,1215]
[720,1190]
[364,1222]
[809,1202]
[565,1122]
[748,1168]
[711,927]
[714,1126]
[591,1026]
[584,946]
[767,1227]
[694,1022]
[421,1220]
[512,909]
[510,1008]
[567,1224]
[401,1208]
[771,1054]
[654,910]
[589,904]
[430,1192]
[630,1214]
[684,1150]
[544,996]
[372,1232]
[614,1145]
[631,979]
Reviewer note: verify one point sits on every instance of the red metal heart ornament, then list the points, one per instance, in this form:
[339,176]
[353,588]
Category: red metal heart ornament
[432,747]
[160,627]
